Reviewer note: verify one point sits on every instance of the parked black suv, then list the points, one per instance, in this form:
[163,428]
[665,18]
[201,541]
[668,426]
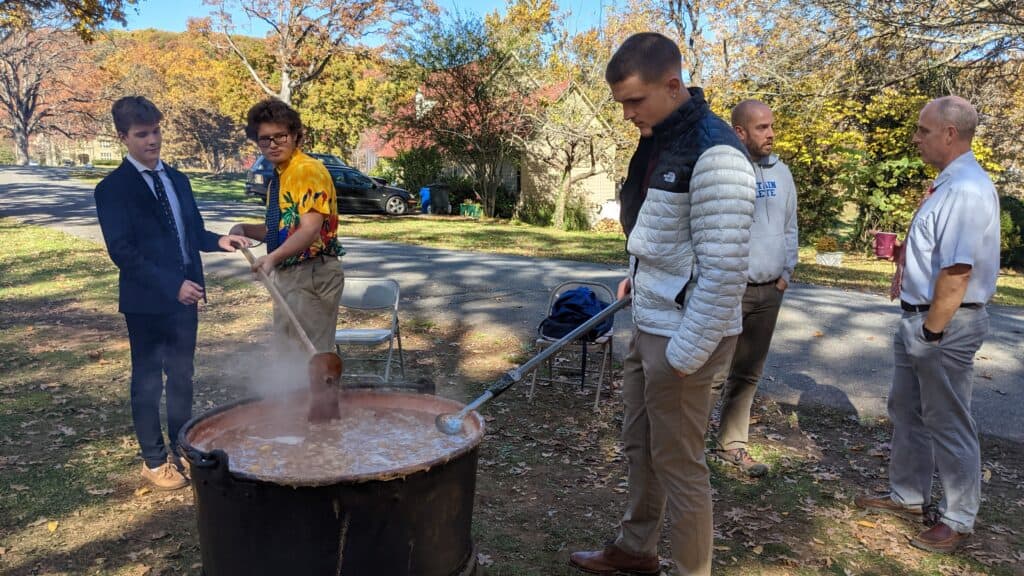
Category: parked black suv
[256,177]
[357,192]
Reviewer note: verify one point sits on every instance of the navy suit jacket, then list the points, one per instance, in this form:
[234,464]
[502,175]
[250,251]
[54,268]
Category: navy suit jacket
[141,240]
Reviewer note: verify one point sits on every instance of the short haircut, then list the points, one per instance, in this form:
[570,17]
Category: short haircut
[648,55]
[741,113]
[272,111]
[959,114]
[134,110]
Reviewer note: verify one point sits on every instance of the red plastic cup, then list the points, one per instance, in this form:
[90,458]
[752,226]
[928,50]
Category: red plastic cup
[885,243]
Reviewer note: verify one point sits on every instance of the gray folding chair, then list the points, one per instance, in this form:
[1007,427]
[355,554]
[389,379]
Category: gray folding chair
[602,345]
[372,294]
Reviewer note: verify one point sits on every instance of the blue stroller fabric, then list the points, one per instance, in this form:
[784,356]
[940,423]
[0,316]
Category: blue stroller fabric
[572,308]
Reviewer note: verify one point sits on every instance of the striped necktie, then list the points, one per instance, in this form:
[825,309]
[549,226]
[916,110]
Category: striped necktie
[273,214]
[165,205]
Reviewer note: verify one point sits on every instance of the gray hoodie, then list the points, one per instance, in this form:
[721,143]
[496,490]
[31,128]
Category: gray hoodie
[773,234]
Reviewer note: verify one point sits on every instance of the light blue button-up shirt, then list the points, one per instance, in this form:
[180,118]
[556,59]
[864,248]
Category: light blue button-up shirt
[958,224]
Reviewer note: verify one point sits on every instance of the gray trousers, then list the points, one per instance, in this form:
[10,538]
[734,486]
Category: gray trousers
[663,428]
[760,311]
[930,409]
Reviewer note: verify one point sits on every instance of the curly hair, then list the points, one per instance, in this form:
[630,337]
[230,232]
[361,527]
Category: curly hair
[273,111]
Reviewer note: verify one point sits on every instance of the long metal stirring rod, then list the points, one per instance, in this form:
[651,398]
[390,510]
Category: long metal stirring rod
[452,423]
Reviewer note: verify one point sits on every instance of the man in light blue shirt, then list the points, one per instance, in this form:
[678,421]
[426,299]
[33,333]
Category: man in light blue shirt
[951,264]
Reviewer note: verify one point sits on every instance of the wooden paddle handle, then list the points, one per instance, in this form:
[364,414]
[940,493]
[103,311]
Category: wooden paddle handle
[279,299]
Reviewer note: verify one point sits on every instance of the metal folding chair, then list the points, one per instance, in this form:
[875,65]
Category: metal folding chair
[372,294]
[602,344]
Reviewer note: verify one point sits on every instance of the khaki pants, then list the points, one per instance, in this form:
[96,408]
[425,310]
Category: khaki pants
[312,290]
[666,416]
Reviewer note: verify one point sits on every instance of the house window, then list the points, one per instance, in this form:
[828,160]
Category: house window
[106,156]
[104,143]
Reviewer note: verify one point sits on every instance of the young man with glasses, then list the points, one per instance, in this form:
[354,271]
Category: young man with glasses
[300,230]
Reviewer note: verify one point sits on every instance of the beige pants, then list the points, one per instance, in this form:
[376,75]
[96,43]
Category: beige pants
[312,290]
[666,416]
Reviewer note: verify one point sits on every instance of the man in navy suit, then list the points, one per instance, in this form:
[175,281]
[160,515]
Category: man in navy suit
[154,233]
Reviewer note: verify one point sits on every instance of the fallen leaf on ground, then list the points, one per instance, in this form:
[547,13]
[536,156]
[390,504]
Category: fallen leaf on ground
[819,334]
[142,491]
[986,475]
[867,524]
[52,525]
[758,549]
[484,559]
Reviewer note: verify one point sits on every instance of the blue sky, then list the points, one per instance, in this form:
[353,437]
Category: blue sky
[174,15]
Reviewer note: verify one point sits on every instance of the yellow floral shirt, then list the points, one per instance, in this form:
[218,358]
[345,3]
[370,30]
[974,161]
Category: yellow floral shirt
[306,186]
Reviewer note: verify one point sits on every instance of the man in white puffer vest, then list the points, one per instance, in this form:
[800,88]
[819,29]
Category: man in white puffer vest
[687,204]
[773,256]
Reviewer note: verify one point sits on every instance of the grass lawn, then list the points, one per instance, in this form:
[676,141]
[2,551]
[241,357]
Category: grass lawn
[227,187]
[551,474]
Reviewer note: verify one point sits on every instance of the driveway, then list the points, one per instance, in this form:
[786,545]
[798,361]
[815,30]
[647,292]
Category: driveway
[831,347]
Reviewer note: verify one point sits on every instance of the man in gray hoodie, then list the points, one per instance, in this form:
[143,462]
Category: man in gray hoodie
[773,256]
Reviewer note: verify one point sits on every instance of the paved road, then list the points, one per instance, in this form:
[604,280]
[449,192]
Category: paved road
[831,347]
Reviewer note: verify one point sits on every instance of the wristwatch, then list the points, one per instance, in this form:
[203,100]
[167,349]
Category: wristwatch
[930,336]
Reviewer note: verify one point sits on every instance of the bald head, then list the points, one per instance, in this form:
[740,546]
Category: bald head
[743,111]
[959,113]
[945,129]
[754,124]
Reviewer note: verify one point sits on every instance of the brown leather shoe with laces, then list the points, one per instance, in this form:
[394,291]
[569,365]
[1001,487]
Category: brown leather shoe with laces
[740,458]
[886,505]
[180,463]
[614,560]
[164,477]
[940,539]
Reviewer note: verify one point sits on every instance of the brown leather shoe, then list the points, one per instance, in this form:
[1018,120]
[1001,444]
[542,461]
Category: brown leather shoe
[940,539]
[886,505]
[614,560]
[180,464]
[164,477]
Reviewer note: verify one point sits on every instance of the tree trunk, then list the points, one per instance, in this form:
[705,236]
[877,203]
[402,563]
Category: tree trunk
[561,200]
[286,87]
[20,145]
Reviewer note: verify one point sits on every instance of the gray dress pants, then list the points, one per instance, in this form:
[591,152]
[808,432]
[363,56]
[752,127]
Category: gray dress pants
[930,409]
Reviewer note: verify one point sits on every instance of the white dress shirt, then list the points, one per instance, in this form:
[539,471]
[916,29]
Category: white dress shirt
[958,224]
[172,198]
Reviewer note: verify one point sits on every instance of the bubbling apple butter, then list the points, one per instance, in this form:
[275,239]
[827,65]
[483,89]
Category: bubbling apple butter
[363,442]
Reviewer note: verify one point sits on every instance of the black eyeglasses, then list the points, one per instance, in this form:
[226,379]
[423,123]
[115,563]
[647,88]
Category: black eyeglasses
[279,139]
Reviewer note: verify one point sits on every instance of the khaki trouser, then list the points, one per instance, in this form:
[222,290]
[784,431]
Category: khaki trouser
[312,290]
[666,416]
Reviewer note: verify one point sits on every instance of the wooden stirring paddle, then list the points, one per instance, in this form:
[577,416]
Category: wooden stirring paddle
[325,368]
